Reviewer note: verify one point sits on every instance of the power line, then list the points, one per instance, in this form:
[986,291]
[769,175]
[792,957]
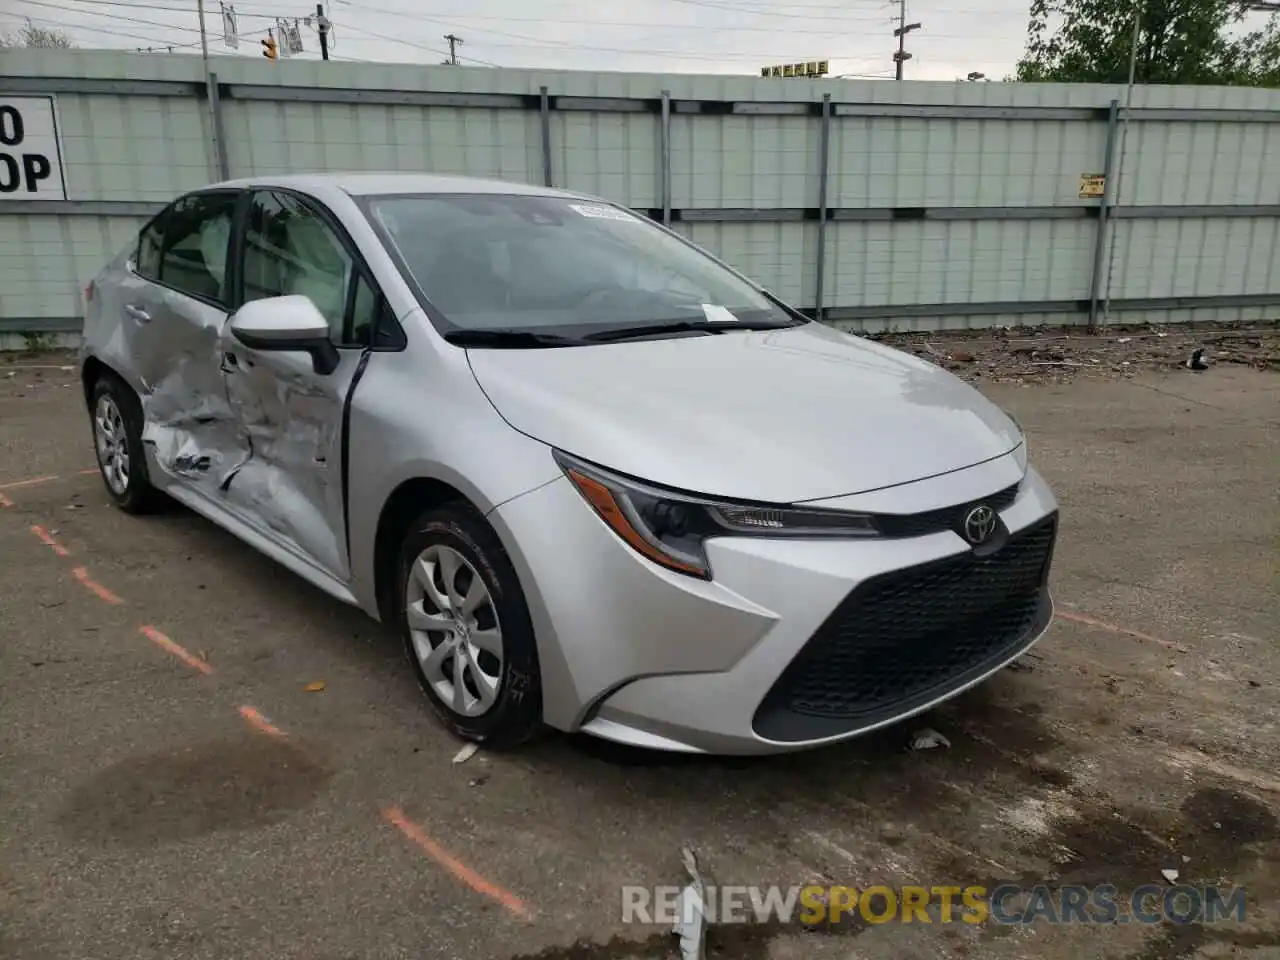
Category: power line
[109,16]
[121,4]
[73,27]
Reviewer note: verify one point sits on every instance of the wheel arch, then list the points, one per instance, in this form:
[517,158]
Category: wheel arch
[91,371]
[411,498]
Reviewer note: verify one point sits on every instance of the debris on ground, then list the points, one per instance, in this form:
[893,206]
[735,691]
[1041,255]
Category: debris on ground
[691,923]
[1170,875]
[466,753]
[928,738]
[1059,354]
[315,686]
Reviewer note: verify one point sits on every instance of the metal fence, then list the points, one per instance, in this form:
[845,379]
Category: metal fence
[873,205]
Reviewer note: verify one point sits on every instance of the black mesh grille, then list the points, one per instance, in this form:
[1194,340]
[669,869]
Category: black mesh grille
[945,518]
[905,638]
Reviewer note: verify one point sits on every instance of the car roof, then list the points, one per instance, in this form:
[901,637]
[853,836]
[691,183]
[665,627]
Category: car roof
[374,184]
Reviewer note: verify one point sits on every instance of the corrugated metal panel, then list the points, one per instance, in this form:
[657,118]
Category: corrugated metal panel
[276,138]
[132,148]
[123,143]
[46,261]
[612,155]
[963,261]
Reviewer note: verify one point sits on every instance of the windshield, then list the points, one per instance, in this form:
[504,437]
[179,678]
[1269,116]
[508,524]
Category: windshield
[519,263]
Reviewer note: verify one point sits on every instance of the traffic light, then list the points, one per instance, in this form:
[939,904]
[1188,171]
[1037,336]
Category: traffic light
[269,49]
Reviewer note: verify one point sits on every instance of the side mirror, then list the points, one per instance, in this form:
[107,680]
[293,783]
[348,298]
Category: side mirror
[286,323]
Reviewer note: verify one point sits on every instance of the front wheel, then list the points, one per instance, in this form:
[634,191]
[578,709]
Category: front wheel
[467,630]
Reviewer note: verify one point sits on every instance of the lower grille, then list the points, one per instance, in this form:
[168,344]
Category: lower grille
[907,637]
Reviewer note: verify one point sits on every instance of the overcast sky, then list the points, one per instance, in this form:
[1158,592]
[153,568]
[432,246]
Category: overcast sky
[707,36]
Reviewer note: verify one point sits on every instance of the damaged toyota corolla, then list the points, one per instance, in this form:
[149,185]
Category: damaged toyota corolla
[598,479]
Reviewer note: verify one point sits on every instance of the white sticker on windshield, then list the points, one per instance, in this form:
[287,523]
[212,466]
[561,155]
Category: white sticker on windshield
[718,314]
[598,212]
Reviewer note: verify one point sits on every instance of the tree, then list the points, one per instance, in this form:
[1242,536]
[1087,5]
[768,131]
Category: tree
[38,37]
[1179,41]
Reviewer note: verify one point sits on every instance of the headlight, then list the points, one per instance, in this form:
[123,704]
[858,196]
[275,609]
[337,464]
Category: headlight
[671,528]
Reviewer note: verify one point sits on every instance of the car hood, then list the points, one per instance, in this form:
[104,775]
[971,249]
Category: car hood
[778,416]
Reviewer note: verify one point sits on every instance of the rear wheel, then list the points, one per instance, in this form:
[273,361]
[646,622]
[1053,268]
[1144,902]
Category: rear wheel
[466,628]
[117,438]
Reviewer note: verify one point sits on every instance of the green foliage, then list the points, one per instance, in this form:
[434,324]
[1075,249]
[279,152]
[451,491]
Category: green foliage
[1179,41]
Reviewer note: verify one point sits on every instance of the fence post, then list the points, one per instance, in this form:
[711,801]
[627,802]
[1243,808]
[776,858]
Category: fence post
[824,163]
[1104,215]
[545,108]
[217,135]
[665,147]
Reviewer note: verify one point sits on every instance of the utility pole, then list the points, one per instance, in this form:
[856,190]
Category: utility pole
[204,37]
[322,25]
[901,33]
[454,43]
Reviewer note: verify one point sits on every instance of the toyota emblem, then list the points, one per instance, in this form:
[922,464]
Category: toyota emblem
[979,524]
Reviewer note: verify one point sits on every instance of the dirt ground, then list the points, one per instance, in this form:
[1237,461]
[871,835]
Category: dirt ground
[203,757]
[1061,355]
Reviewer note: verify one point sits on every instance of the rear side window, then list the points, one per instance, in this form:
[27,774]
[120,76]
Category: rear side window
[186,247]
[150,244]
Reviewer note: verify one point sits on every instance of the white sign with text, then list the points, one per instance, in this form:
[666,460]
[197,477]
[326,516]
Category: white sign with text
[30,150]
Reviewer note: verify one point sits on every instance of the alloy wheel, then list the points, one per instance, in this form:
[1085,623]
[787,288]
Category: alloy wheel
[455,631]
[113,445]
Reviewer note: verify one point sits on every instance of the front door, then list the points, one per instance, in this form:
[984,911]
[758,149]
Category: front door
[292,482]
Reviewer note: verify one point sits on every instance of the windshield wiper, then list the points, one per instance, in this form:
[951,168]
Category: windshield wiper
[683,326]
[513,339]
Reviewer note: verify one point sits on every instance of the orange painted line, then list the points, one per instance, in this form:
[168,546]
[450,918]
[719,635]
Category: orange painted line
[261,723]
[85,473]
[47,539]
[1112,628]
[101,592]
[395,816]
[164,643]
[34,481]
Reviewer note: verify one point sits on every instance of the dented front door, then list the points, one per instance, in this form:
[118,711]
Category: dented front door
[292,480]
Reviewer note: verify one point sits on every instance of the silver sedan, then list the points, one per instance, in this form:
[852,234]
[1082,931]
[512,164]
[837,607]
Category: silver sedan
[595,478]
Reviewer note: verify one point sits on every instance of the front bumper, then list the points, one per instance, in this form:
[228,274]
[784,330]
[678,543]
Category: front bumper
[793,644]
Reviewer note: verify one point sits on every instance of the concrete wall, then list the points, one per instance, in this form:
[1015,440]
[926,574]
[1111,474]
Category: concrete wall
[947,204]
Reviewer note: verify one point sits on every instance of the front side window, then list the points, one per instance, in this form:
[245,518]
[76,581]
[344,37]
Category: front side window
[191,256]
[288,250]
[531,262]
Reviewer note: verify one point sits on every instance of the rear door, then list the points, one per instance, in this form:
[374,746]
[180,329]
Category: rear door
[176,300]
[293,481]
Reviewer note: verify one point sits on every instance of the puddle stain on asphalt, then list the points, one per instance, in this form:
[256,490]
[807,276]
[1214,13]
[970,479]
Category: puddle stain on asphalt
[739,942]
[1003,747]
[1214,828]
[180,794]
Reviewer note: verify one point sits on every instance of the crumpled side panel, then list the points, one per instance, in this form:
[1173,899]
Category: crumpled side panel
[192,430]
[291,481]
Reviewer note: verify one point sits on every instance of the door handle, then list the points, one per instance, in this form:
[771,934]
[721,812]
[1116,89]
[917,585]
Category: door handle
[138,313]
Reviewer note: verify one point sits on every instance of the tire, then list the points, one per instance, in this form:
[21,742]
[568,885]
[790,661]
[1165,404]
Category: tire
[116,418]
[456,539]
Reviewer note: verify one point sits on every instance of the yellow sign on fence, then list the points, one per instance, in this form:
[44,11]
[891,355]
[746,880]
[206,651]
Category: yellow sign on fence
[1092,185]
[814,68]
